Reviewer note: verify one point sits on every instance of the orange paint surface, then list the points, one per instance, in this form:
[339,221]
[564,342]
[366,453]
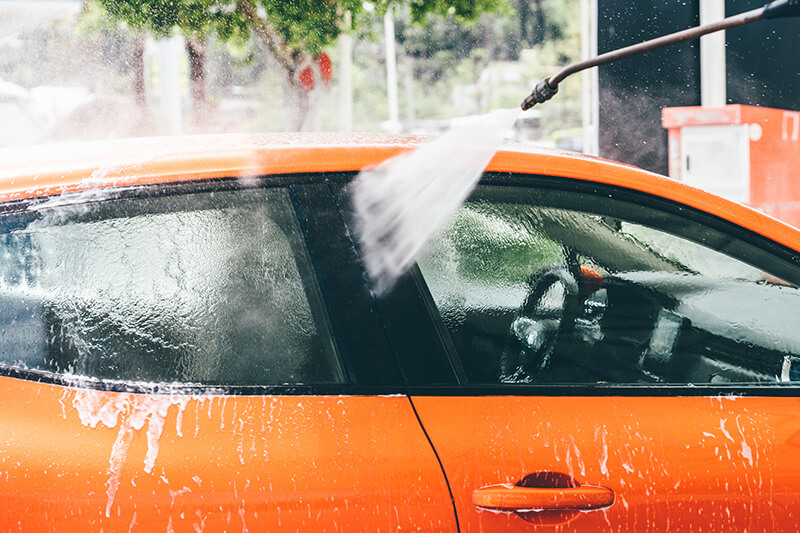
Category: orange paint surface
[674,464]
[236,463]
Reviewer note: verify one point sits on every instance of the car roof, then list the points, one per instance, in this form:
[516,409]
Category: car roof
[46,170]
[52,169]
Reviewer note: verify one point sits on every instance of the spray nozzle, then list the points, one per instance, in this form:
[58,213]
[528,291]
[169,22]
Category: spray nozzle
[540,94]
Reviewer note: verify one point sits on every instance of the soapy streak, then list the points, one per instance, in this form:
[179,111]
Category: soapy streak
[129,412]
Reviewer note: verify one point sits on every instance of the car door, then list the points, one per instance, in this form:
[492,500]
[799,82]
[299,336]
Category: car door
[196,357]
[624,362]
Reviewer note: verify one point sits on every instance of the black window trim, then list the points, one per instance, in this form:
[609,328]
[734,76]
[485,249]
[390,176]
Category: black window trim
[750,237]
[396,387]
[197,389]
[407,303]
[307,190]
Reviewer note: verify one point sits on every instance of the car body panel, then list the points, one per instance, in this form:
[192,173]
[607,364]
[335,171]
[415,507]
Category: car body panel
[74,459]
[677,464]
[364,462]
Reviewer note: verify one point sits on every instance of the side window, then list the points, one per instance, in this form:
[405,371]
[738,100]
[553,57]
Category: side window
[562,287]
[208,288]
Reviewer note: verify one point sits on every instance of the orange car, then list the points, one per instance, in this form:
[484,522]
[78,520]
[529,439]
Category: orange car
[189,343]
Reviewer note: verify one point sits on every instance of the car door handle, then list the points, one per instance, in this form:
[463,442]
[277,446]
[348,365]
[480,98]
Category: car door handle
[507,497]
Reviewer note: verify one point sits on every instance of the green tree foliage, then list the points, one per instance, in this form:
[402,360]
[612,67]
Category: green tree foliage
[454,62]
[438,45]
[461,10]
[292,31]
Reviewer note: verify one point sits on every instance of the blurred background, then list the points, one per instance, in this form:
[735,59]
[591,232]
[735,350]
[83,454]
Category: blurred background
[99,69]
[86,69]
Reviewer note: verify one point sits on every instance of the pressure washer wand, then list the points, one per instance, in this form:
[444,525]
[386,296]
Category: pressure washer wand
[548,87]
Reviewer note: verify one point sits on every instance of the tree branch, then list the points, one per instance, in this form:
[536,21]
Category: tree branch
[267,36]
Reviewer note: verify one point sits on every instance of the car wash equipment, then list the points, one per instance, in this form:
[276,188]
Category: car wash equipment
[548,87]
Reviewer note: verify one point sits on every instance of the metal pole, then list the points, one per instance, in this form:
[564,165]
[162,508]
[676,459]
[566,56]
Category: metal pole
[346,75]
[712,56]
[586,80]
[391,72]
[590,93]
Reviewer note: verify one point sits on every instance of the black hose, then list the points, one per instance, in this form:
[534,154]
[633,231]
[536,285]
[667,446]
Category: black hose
[548,87]
[782,8]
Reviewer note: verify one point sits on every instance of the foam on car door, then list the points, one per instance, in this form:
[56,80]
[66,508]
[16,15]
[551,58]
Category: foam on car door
[77,458]
[726,463]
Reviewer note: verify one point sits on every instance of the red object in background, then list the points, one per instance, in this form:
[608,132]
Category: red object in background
[324,67]
[306,77]
[743,153]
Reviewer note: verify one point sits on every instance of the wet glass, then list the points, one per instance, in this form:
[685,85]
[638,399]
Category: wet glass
[207,288]
[565,287]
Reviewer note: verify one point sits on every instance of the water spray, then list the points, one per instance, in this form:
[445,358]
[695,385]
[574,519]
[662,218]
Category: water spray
[548,87]
[400,204]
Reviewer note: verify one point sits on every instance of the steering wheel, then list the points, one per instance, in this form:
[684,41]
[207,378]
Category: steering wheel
[551,305]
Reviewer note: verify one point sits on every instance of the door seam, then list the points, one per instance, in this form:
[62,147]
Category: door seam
[438,459]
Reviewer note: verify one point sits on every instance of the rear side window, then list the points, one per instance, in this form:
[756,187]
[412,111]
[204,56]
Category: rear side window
[207,288]
[546,286]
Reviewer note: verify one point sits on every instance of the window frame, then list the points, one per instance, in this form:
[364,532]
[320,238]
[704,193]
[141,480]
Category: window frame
[780,252]
[367,361]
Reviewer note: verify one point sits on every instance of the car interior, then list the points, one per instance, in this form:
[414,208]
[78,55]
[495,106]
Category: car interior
[565,287]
